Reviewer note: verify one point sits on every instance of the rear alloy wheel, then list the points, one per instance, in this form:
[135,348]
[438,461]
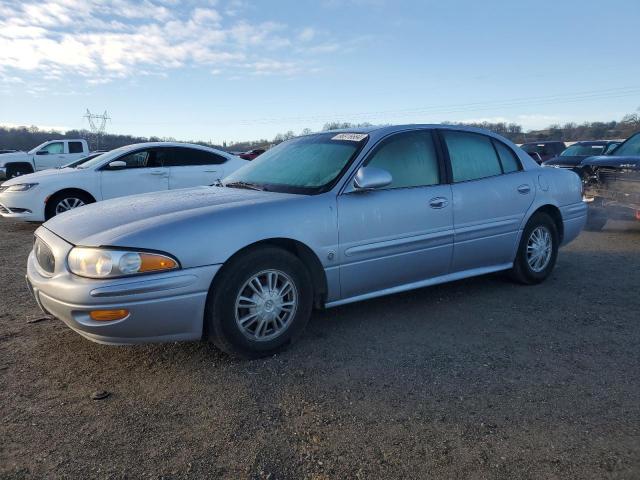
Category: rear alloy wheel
[260,302]
[538,250]
[63,202]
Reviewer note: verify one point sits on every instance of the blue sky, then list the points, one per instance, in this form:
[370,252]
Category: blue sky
[240,69]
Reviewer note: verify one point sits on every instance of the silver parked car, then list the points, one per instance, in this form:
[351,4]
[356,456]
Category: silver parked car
[321,220]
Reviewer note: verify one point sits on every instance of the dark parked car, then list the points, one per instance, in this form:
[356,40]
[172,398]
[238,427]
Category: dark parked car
[252,154]
[573,156]
[612,184]
[546,150]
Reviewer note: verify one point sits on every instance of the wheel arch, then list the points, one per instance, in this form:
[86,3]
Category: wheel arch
[70,190]
[555,214]
[26,164]
[306,255]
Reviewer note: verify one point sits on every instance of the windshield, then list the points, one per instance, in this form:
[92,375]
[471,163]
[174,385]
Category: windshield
[100,159]
[630,147]
[583,150]
[307,164]
[76,163]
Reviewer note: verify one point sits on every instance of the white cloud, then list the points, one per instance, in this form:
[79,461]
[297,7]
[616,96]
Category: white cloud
[103,40]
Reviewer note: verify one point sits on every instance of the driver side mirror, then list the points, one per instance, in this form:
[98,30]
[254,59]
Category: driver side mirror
[42,152]
[117,165]
[371,178]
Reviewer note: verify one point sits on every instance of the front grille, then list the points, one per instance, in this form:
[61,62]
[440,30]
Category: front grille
[44,256]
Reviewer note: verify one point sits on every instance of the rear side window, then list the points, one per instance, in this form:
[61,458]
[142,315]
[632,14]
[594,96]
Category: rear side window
[411,159]
[184,157]
[508,159]
[472,156]
[75,147]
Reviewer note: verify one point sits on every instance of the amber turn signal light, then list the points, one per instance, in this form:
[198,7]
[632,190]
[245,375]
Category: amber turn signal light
[153,263]
[108,315]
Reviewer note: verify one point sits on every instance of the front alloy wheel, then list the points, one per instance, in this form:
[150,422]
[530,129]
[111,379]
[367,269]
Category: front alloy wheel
[67,204]
[265,305]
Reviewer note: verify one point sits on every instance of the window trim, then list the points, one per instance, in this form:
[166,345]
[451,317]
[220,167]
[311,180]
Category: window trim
[348,186]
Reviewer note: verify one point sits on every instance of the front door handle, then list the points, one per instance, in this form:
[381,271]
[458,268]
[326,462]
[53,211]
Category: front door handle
[524,189]
[157,172]
[438,202]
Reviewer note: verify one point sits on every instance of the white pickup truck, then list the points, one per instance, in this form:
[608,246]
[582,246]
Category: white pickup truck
[50,154]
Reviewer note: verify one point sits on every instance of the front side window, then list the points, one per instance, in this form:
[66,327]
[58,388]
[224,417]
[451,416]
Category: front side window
[146,158]
[75,147]
[472,156]
[308,164]
[410,158]
[630,147]
[184,157]
[54,148]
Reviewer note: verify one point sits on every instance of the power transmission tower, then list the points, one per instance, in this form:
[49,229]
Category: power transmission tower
[97,125]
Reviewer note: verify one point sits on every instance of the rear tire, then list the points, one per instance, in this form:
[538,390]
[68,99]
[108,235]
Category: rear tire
[64,201]
[538,250]
[246,316]
[596,219]
[18,169]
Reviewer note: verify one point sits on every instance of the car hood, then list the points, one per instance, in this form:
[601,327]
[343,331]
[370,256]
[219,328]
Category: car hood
[569,161]
[8,157]
[125,219]
[37,177]
[613,161]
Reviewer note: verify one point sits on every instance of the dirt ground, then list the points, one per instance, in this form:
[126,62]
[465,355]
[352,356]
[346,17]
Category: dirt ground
[476,379]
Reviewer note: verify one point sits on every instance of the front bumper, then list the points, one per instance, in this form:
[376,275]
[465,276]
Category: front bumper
[27,206]
[163,307]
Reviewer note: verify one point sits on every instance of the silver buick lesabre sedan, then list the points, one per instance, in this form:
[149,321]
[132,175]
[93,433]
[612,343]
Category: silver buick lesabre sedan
[318,221]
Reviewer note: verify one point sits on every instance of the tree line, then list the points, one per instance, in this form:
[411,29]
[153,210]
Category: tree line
[25,138]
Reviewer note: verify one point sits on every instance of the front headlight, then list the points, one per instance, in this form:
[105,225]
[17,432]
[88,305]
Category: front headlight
[20,187]
[106,263]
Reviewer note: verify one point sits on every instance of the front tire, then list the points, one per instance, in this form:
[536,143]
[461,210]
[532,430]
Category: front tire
[65,201]
[259,303]
[538,250]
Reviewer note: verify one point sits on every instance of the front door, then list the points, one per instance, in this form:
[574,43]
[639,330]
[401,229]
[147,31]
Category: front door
[144,171]
[402,233]
[51,156]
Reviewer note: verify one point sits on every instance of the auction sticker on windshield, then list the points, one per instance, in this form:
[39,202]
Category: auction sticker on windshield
[351,137]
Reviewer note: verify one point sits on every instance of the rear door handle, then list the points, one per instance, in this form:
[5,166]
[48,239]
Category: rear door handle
[438,202]
[524,189]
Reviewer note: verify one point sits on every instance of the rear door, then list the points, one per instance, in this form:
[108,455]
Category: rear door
[144,172]
[402,233]
[491,195]
[191,167]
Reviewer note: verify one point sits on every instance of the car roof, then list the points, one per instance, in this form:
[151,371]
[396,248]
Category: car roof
[543,142]
[383,130]
[135,146]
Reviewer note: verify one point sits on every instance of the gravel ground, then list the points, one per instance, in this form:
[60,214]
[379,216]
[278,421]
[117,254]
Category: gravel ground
[476,379]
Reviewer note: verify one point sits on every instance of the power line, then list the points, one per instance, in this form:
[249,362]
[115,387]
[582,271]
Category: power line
[97,125]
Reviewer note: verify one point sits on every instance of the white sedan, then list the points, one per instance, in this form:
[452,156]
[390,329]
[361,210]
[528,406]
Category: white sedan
[138,168]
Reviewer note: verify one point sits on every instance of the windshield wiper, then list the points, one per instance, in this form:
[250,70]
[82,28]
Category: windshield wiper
[245,185]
